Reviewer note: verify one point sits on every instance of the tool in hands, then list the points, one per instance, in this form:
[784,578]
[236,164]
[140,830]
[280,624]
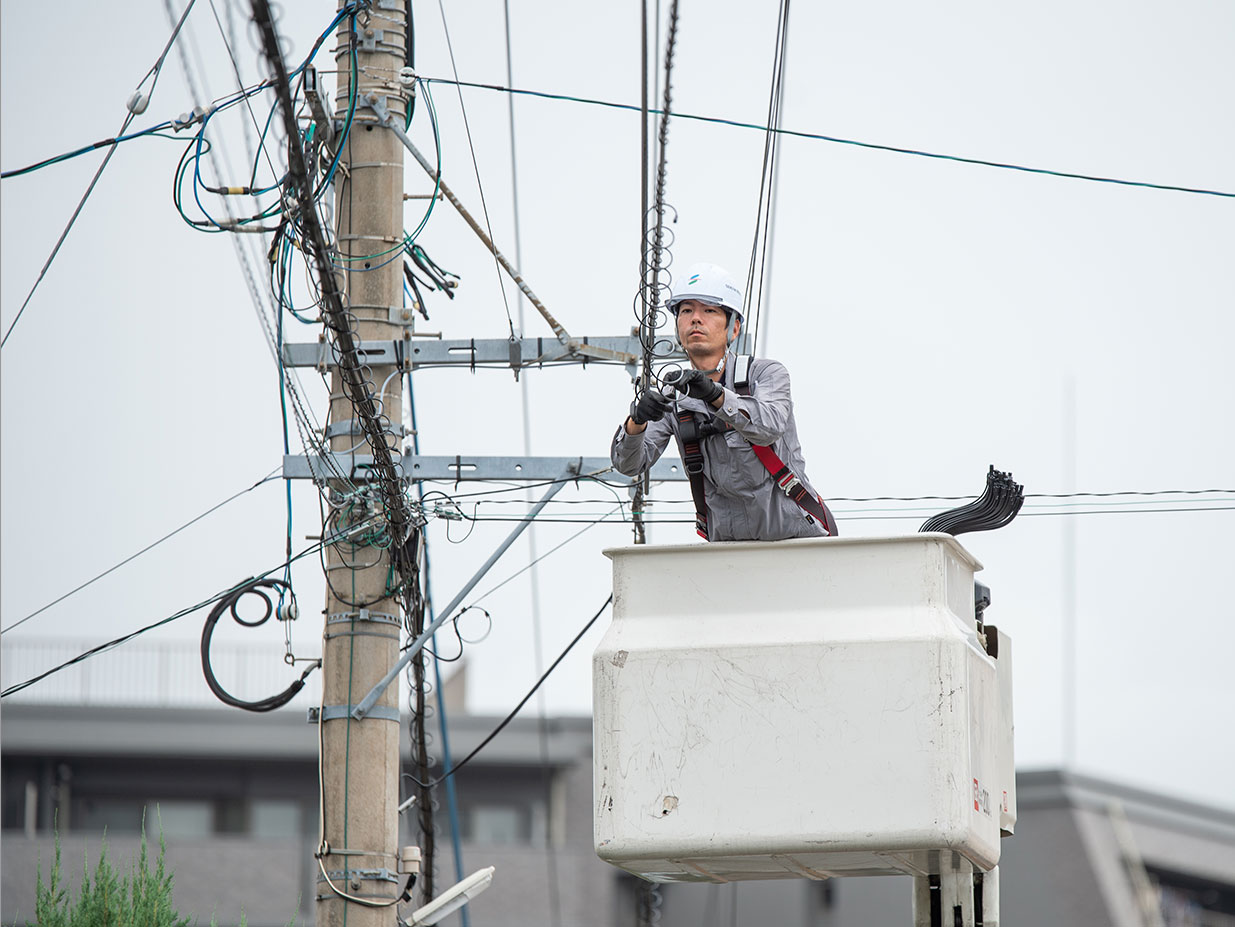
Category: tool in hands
[694,383]
[651,406]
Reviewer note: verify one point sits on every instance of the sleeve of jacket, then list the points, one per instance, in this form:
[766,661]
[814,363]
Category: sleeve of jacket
[633,454]
[761,417]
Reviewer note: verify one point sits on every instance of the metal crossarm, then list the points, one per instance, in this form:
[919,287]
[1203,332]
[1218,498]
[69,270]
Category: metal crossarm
[468,468]
[470,352]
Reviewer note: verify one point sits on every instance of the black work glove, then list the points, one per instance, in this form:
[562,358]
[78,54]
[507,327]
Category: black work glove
[694,383]
[650,407]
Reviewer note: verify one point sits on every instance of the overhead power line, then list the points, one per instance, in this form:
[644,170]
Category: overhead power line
[535,560]
[452,503]
[918,498]
[149,547]
[103,648]
[904,515]
[510,717]
[766,211]
[86,149]
[154,72]
[484,207]
[814,136]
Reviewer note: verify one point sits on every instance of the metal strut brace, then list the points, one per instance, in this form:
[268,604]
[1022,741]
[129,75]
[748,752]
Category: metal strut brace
[367,703]
[378,105]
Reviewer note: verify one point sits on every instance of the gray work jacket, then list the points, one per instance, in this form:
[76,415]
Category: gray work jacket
[744,504]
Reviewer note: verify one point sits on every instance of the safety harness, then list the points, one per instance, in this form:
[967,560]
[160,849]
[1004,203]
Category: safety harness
[690,434]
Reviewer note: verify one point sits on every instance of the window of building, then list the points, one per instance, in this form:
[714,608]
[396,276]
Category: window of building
[182,818]
[499,824]
[275,818]
[503,805]
[1192,901]
[170,817]
[114,815]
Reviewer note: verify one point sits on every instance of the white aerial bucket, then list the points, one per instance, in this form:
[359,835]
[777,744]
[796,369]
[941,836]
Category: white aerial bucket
[804,708]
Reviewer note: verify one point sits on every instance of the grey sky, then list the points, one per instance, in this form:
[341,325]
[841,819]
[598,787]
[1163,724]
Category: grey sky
[932,314]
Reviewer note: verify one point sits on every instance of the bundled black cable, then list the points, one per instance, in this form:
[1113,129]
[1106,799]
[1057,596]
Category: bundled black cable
[418,300]
[228,603]
[996,507]
[441,278]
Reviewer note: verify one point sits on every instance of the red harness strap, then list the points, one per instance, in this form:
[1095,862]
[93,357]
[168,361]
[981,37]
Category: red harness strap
[690,439]
[793,488]
[813,506]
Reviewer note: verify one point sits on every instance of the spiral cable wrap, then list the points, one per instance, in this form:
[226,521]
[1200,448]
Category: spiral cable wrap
[651,301]
[421,711]
[650,902]
[422,762]
[656,257]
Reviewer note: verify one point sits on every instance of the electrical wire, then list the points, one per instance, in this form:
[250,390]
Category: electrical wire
[415,624]
[1147,500]
[764,212]
[1144,497]
[110,645]
[339,319]
[852,516]
[497,267]
[1110,504]
[593,477]
[462,641]
[645,375]
[655,257]
[514,196]
[919,498]
[525,408]
[510,717]
[452,805]
[200,146]
[232,40]
[551,550]
[155,70]
[814,136]
[240,83]
[220,163]
[148,547]
[86,149]
[262,588]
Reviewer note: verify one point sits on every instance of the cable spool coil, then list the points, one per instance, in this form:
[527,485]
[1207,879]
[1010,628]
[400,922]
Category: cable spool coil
[283,611]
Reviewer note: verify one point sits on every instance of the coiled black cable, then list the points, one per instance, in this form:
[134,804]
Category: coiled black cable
[262,588]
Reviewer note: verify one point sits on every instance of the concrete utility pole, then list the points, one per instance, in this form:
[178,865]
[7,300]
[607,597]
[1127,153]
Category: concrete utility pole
[360,758]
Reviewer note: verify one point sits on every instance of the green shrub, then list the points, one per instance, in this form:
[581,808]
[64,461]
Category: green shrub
[141,898]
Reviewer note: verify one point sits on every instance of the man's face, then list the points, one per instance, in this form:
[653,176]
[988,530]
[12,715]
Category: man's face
[702,327]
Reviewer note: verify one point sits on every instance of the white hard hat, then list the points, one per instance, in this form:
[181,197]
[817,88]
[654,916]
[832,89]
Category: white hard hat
[710,284]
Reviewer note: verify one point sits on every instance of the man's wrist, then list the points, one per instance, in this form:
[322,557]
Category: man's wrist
[632,427]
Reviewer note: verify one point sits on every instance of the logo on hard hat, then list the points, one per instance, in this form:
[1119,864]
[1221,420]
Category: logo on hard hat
[693,280]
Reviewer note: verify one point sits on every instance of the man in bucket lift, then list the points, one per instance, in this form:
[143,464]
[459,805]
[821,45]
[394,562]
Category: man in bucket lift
[733,421]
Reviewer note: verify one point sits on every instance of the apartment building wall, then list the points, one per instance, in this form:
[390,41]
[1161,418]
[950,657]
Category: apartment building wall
[236,796]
